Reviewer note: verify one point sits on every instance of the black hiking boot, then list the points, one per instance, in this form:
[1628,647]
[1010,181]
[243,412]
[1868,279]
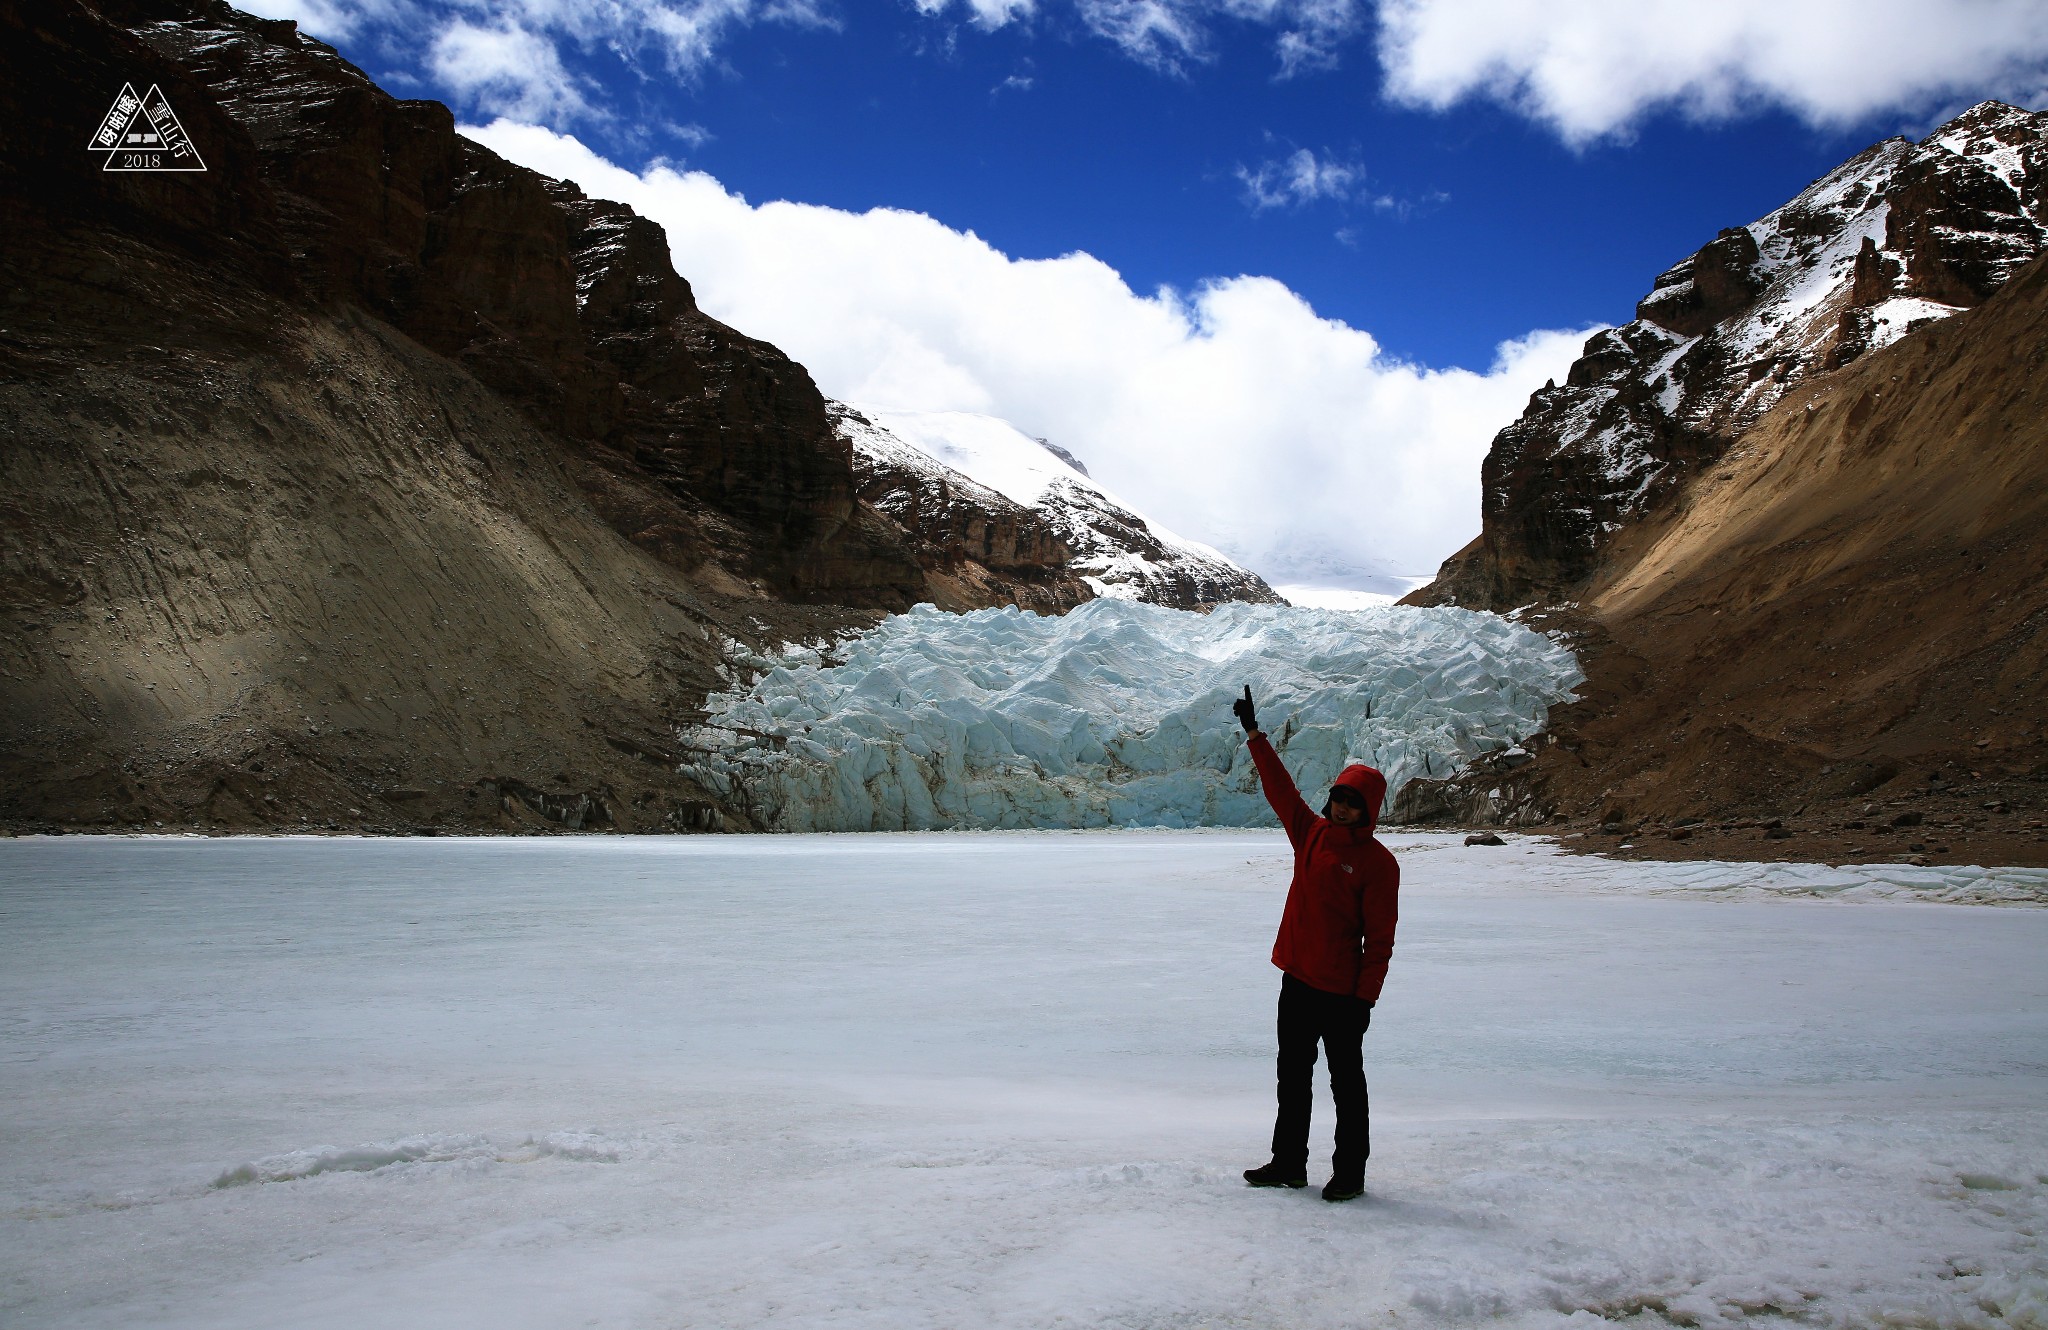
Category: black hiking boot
[1276,1175]
[1345,1190]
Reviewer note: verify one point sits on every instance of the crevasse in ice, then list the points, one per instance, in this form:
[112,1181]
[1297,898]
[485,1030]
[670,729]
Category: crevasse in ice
[1115,714]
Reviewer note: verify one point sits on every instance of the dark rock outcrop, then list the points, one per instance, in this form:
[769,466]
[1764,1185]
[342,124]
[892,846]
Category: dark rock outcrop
[1720,280]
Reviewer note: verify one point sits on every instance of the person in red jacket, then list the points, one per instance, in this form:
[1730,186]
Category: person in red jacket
[1336,935]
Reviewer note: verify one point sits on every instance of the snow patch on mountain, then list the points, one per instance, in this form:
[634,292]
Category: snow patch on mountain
[1810,312]
[1118,552]
[993,452]
[1115,714]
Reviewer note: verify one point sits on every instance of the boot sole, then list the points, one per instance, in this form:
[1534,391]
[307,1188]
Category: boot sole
[1296,1186]
[1344,1195]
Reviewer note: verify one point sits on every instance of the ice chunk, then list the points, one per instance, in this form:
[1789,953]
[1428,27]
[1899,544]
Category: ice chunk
[1116,714]
[370,1158]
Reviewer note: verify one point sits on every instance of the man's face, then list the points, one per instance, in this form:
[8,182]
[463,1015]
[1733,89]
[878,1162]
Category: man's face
[1346,808]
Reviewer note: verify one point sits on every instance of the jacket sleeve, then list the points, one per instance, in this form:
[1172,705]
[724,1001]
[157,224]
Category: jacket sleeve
[1379,912]
[1294,814]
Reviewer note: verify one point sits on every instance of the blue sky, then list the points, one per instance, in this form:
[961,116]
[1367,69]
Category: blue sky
[1454,230]
[1434,179]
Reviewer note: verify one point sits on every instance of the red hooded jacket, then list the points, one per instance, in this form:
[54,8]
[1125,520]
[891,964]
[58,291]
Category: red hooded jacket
[1337,931]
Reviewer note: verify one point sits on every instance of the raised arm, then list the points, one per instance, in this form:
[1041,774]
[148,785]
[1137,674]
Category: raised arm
[1295,815]
[1273,778]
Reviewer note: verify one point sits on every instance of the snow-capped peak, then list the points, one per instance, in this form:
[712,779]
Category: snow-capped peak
[993,452]
[1116,551]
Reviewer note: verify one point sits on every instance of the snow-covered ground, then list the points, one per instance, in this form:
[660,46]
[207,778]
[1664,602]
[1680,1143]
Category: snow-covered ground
[989,1080]
[1114,714]
[1349,589]
[1334,597]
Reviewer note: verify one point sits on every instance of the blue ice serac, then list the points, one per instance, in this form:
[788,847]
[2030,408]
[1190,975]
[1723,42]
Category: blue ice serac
[1115,714]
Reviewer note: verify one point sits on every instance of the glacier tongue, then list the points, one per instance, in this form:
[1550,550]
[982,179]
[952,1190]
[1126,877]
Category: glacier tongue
[1115,714]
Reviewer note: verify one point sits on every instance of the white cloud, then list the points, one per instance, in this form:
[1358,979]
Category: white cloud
[330,20]
[1170,35]
[1310,30]
[690,135]
[1590,68]
[1234,414]
[985,14]
[1160,33]
[689,31]
[1299,178]
[505,56]
[507,71]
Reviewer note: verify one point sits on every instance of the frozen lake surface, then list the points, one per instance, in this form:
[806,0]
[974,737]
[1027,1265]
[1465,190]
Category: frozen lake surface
[989,1080]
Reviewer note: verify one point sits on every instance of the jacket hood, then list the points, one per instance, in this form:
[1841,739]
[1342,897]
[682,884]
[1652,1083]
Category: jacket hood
[1369,785]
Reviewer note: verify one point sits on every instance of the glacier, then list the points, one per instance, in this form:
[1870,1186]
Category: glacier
[1115,714]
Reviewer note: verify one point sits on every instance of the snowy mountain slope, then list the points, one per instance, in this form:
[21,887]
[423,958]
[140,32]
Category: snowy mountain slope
[1900,235]
[976,546]
[1116,714]
[924,468]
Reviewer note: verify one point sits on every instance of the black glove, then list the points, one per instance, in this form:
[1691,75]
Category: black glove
[1242,709]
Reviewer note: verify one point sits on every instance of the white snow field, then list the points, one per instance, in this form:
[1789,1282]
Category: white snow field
[1113,714]
[915,1082]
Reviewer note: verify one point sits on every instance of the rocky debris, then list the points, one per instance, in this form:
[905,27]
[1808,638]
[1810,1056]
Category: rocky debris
[1484,838]
[1678,757]
[577,811]
[1063,455]
[1902,235]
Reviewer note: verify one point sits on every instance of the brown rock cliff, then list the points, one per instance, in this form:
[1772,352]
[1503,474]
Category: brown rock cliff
[365,480]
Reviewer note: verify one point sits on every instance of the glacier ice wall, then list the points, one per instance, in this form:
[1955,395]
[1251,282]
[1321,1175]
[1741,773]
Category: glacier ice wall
[1115,714]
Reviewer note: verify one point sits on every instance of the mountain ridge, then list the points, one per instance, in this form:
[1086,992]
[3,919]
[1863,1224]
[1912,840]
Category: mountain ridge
[1899,235]
[1830,645]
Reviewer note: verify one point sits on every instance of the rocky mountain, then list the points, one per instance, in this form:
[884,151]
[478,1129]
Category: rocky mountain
[987,496]
[1899,236]
[366,480]
[1830,644]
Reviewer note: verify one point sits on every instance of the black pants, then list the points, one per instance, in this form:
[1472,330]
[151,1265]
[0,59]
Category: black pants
[1309,1016]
